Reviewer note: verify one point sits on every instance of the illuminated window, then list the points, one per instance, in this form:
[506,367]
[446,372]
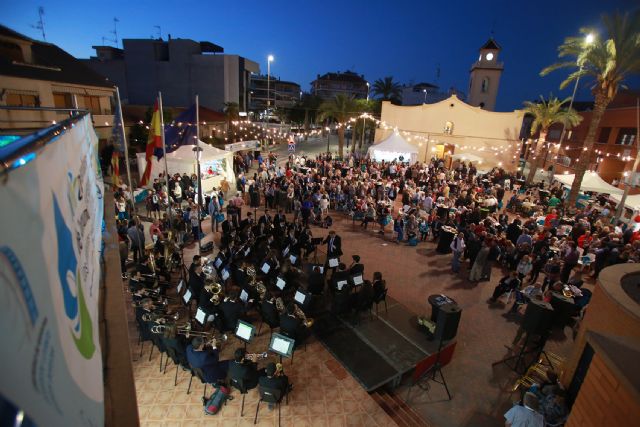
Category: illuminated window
[62,100]
[626,136]
[22,100]
[448,128]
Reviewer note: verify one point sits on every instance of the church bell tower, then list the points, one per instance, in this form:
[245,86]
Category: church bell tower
[485,77]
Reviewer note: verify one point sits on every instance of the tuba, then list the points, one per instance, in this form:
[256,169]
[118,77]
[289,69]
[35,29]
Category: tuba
[215,289]
[297,311]
[280,305]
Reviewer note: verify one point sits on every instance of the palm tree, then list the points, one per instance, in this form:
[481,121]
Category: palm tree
[341,109]
[232,113]
[546,113]
[608,61]
[387,89]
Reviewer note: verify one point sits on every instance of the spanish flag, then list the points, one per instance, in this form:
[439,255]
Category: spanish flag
[115,166]
[154,142]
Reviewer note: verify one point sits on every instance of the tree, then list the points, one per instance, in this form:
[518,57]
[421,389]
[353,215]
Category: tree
[341,109]
[607,61]
[545,114]
[387,90]
[232,114]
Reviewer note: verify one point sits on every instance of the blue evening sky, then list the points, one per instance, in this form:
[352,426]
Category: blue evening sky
[404,39]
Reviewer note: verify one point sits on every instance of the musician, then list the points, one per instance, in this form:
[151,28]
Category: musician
[196,277]
[279,221]
[316,282]
[248,222]
[363,299]
[243,368]
[266,220]
[379,285]
[205,357]
[339,276]
[177,342]
[275,378]
[334,245]
[232,310]
[292,326]
[269,312]
[356,267]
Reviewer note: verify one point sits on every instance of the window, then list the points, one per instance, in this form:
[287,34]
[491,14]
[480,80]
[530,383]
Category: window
[448,128]
[554,134]
[626,136]
[11,51]
[22,100]
[603,138]
[485,85]
[92,103]
[62,100]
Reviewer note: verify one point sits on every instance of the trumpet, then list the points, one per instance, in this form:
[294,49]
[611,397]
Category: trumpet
[160,318]
[256,356]
[185,330]
[297,311]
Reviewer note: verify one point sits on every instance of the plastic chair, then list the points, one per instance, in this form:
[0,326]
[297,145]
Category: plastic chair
[272,396]
[197,372]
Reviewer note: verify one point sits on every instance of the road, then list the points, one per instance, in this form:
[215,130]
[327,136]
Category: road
[312,146]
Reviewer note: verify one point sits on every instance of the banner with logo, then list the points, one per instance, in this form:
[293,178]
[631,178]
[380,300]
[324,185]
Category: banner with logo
[50,245]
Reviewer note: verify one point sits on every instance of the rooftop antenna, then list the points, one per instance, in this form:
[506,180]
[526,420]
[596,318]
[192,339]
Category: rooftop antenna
[115,31]
[40,24]
[159,31]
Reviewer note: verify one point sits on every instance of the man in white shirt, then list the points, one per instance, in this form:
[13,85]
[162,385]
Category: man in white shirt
[457,246]
[525,415]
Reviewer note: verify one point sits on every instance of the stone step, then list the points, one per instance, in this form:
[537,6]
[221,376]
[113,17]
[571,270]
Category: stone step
[398,410]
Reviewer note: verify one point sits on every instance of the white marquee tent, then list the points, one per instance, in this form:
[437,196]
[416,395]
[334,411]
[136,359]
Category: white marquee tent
[632,202]
[392,148]
[215,164]
[590,182]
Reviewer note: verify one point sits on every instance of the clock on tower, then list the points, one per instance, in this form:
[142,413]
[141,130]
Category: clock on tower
[485,77]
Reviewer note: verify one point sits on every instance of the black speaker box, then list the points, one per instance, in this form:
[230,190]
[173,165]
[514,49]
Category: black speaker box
[447,323]
[538,317]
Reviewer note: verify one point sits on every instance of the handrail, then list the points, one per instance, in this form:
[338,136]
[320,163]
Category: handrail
[23,150]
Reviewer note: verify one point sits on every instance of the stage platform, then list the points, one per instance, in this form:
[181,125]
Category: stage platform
[377,351]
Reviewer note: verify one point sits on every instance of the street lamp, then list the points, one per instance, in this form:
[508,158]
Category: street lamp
[587,40]
[424,101]
[367,91]
[328,136]
[269,60]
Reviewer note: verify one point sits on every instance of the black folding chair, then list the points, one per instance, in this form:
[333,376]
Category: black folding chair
[272,396]
[197,372]
[240,385]
[382,297]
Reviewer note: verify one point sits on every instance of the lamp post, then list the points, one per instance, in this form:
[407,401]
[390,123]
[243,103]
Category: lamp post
[328,136]
[367,91]
[589,38]
[424,100]
[269,59]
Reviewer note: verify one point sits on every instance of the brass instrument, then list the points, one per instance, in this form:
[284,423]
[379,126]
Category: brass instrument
[160,318]
[152,263]
[297,311]
[215,289]
[262,290]
[208,268]
[256,356]
[280,305]
[185,330]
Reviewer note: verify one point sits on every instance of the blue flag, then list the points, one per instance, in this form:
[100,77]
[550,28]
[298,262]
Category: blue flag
[116,133]
[181,131]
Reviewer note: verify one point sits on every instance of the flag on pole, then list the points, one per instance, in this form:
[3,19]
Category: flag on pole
[154,144]
[181,131]
[118,146]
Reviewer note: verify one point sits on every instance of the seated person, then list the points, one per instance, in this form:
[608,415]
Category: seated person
[356,267]
[275,378]
[232,310]
[526,415]
[292,326]
[379,285]
[207,359]
[316,282]
[364,297]
[524,296]
[269,312]
[339,276]
[327,222]
[341,301]
[242,368]
[506,284]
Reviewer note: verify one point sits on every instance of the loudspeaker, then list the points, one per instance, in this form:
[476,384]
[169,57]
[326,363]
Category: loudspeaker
[447,323]
[538,318]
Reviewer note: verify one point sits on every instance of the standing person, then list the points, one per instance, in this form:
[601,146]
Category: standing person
[570,261]
[214,210]
[334,245]
[195,223]
[479,263]
[457,246]
[136,240]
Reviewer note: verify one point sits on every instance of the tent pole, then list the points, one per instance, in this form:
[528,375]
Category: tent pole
[164,154]
[199,195]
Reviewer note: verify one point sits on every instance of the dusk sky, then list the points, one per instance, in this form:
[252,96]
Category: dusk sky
[404,39]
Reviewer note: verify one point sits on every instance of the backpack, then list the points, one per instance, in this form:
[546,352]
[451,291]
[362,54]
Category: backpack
[213,404]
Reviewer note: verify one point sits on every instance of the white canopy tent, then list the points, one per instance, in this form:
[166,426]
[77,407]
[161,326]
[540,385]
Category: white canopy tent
[392,148]
[590,182]
[632,202]
[215,164]
[464,157]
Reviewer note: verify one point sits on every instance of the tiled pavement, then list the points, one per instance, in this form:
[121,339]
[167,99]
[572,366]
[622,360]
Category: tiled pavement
[325,394]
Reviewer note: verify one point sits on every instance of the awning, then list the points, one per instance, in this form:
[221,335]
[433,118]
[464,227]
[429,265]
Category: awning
[590,182]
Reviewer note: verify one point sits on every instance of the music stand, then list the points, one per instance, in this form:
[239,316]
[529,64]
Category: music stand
[186,297]
[245,331]
[201,316]
[302,298]
[430,373]
[282,345]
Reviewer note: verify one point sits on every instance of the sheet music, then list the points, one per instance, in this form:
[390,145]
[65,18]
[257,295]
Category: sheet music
[265,268]
[211,317]
[180,286]
[244,296]
[218,262]
[341,284]
[244,331]
[246,251]
[280,283]
[225,274]
[280,346]
[299,297]
[200,315]
[333,262]
[293,259]
[187,296]
[357,280]
[285,251]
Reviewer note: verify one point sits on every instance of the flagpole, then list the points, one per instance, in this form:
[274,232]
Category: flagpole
[126,152]
[199,196]
[164,154]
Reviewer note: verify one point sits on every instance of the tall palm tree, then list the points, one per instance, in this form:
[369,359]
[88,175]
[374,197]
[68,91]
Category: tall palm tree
[545,113]
[341,109]
[608,61]
[232,113]
[387,90]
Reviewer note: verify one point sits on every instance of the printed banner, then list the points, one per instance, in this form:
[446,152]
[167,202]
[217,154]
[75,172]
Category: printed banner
[50,244]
